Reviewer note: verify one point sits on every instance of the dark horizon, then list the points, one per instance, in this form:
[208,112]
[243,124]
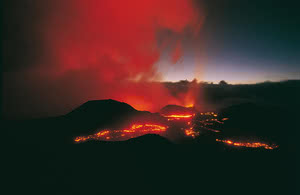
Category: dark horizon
[206,96]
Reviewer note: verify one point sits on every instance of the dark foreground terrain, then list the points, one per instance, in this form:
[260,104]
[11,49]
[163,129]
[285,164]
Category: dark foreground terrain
[39,156]
[156,168]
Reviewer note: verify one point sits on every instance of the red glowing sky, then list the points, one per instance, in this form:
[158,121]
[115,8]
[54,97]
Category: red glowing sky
[104,49]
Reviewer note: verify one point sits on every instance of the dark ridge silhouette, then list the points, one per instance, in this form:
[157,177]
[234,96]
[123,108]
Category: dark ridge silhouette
[149,139]
[97,114]
[284,94]
[93,108]
[84,120]
[266,122]
[107,114]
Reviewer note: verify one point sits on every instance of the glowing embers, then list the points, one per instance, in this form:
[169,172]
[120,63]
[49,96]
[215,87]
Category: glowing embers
[209,120]
[124,134]
[189,105]
[179,116]
[190,132]
[248,144]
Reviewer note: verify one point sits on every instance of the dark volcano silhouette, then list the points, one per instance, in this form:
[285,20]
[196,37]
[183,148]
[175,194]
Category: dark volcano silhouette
[84,120]
[95,108]
[99,114]
[149,139]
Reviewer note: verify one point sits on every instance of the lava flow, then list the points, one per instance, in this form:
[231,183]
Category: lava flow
[191,132]
[190,124]
[124,134]
[179,116]
[248,144]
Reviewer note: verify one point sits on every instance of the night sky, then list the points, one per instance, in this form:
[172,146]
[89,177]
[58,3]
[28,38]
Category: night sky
[243,42]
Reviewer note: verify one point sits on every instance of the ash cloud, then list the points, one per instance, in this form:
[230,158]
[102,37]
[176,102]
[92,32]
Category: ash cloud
[63,53]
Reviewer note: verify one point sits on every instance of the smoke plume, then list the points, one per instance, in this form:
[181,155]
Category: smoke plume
[97,50]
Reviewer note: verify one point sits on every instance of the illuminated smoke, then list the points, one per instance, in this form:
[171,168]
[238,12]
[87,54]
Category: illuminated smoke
[99,49]
[117,41]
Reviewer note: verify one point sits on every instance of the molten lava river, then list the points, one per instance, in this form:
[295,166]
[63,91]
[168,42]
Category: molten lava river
[179,116]
[248,144]
[192,125]
[135,130]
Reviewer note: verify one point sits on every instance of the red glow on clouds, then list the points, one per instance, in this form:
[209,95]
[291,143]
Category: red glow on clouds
[116,43]
[99,49]
[177,53]
[190,98]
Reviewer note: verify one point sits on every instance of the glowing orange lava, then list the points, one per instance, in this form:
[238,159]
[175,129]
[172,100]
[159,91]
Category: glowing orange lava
[248,144]
[191,133]
[189,105]
[124,134]
[179,116]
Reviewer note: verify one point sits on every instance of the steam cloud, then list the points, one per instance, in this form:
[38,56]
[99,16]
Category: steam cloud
[97,50]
